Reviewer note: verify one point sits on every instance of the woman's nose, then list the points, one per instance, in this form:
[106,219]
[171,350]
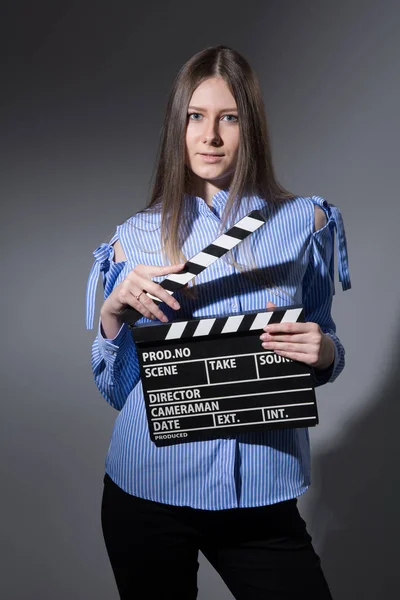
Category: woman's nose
[211,132]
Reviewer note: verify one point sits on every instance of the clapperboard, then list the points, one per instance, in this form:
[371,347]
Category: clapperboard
[210,377]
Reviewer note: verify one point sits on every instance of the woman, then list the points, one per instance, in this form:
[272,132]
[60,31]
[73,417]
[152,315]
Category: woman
[234,498]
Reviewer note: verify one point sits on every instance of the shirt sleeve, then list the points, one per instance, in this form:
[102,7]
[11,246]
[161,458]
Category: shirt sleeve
[319,286]
[115,363]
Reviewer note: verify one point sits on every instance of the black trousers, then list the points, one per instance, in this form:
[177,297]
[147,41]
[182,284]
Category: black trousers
[261,553]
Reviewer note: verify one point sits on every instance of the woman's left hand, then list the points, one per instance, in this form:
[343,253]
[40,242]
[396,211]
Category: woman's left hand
[304,342]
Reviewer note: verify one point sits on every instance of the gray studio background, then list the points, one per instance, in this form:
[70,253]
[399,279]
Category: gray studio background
[83,94]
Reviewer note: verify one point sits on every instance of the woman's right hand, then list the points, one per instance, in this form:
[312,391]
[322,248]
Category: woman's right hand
[127,292]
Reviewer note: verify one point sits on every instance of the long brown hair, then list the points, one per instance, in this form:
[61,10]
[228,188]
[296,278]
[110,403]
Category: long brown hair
[254,173]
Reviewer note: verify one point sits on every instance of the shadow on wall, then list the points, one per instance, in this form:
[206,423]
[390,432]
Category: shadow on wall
[357,494]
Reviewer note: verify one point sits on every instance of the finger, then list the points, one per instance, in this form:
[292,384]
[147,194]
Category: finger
[142,284]
[290,327]
[270,305]
[297,338]
[299,356]
[137,298]
[148,305]
[289,347]
[133,301]
[161,294]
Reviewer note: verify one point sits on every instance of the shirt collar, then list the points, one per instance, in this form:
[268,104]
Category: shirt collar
[199,206]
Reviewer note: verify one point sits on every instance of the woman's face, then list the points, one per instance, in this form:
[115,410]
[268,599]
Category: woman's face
[212,134]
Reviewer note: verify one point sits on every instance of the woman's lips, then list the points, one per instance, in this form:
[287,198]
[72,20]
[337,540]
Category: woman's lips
[210,158]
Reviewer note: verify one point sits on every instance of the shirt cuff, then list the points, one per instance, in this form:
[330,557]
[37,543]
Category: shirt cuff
[322,376]
[111,349]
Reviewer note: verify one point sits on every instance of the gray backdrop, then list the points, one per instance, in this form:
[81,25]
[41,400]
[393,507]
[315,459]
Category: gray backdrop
[84,89]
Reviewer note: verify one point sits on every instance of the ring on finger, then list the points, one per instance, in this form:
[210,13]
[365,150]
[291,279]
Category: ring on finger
[138,296]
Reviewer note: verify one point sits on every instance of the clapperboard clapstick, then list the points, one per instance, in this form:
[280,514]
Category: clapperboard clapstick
[221,325]
[225,242]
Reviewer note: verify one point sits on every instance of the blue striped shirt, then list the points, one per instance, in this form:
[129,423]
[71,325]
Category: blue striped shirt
[296,266]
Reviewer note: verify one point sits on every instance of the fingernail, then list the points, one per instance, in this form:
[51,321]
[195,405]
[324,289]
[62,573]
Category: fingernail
[176,305]
[164,318]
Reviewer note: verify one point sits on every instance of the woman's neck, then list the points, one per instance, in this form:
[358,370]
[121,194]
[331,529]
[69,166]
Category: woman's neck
[207,189]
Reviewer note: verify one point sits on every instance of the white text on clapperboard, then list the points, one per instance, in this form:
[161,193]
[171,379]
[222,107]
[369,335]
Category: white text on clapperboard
[187,401]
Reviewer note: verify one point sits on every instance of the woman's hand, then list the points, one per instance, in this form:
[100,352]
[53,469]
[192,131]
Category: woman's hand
[131,292]
[304,342]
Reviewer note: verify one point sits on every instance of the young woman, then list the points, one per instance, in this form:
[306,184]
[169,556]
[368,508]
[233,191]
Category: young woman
[234,497]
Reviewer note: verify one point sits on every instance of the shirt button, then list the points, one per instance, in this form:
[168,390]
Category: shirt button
[234,306]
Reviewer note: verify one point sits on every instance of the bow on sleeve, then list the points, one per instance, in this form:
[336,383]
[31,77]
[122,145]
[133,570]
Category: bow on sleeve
[335,216]
[343,257]
[103,254]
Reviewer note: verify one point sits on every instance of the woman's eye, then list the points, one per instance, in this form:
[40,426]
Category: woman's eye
[198,116]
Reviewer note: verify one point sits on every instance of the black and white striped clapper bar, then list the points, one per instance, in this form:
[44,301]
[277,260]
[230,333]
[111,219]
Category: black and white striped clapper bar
[210,377]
